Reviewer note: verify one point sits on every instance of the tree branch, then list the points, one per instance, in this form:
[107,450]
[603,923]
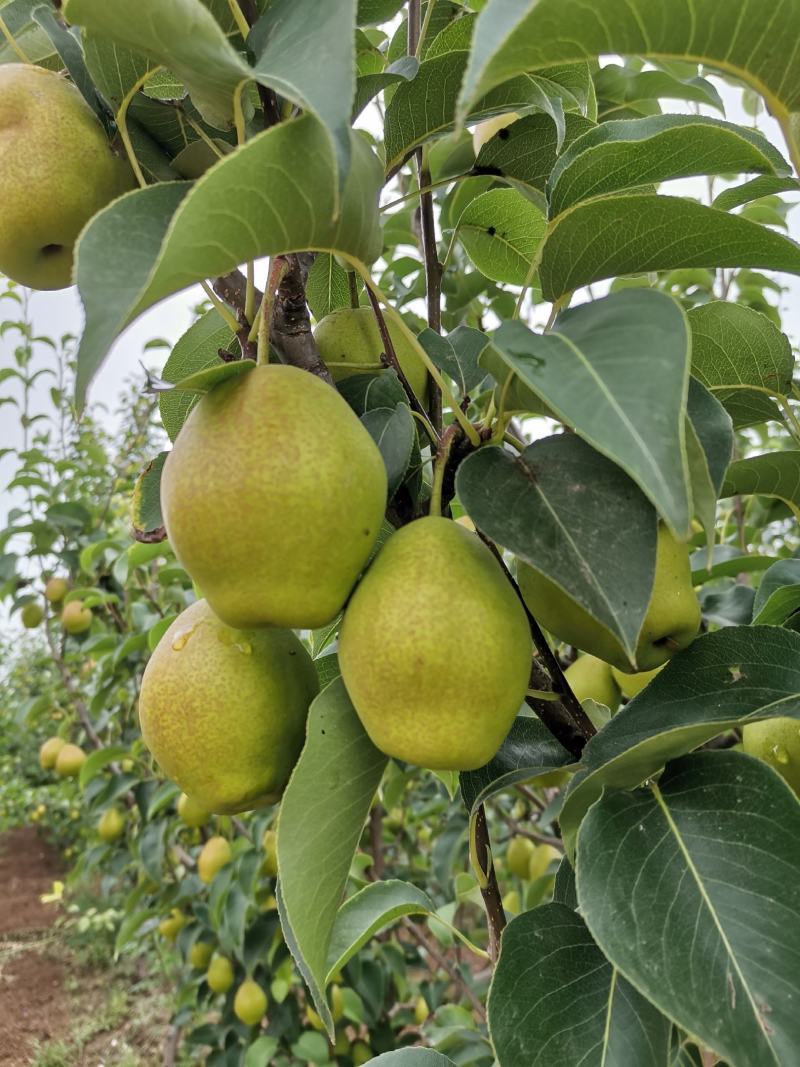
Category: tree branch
[431,948]
[492,900]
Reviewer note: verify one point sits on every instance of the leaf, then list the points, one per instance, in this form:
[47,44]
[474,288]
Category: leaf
[631,153]
[501,231]
[394,433]
[564,890]
[764,185]
[690,888]
[114,69]
[321,819]
[370,910]
[146,515]
[556,999]
[598,239]
[778,594]
[412,1057]
[622,89]
[742,358]
[327,287]
[195,350]
[773,474]
[19,17]
[738,674]
[528,751]
[457,355]
[203,381]
[617,371]
[96,761]
[260,1053]
[710,447]
[276,194]
[511,37]
[549,505]
[69,49]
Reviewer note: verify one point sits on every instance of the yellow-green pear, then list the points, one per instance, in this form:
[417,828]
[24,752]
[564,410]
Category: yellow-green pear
[486,130]
[170,927]
[214,855]
[421,1010]
[269,843]
[75,618]
[360,1053]
[220,975]
[49,752]
[32,613]
[671,622]
[518,855]
[190,812]
[435,648]
[223,711]
[56,589]
[336,1001]
[349,342]
[631,685]
[111,826]
[69,761]
[777,742]
[543,855]
[200,955]
[250,1002]
[273,497]
[512,903]
[591,678]
[57,169]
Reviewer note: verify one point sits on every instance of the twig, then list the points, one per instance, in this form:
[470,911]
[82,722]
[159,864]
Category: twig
[492,900]
[421,936]
[171,1045]
[433,274]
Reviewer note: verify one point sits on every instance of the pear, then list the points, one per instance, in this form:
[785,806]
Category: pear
[57,170]
[170,927]
[214,855]
[220,975]
[350,343]
[543,855]
[485,131]
[671,622]
[200,955]
[273,498]
[518,856]
[269,843]
[49,752]
[435,649]
[421,1010]
[190,812]
[631,685]
[56,589]
[591,678]
[250,1002]
[777,742]
[360,1053]
[69,761]
[111,826]
[32,613]
[224,711]
[512,903]
[75,618]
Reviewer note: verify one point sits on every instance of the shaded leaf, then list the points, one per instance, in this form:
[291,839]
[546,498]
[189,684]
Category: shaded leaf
[778,594]
[393,432]
[773,474]
[327,287]
[148,522]
[501,231]
[457,355]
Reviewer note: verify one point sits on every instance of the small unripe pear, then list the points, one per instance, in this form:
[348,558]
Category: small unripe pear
[215,854]
[543,856]
[170,927]
[75,618]
[200,955]
[269,843]
[190,812]
[250,1002]
[511,902]
[111,825]
[591,678]
[421,1010]
[32,613]
[220,975]
[518,856]
[49,751]
[777,742]
[631,685]
[336,1000]
[69,761]
[56,589]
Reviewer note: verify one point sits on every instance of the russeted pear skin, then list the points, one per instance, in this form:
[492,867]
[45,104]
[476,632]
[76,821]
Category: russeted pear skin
[435,649]
[273,498]
[57,169]
[223,711]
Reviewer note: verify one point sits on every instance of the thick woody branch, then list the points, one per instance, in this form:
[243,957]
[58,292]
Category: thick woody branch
[492,901]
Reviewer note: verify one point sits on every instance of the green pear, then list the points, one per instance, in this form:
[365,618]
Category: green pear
[214,855]
[57,170]
[170,927]
[273,497]
[543,855]
[349,342]
[190,812]
[220,975]
[671,622]
[269,843]
[421,1010]
[75,618]
[223,711]
[250,1002]
[518,856]
[777,742]
[591,678]
[56,589]
[69,761]
[111,826]
[32,613]
[200,955]
[49,751]
[512,903]
[631,685]
[435,649]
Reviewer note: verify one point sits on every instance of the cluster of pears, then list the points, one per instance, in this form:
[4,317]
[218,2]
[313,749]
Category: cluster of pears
[61,756]
[75,617]
[57,169]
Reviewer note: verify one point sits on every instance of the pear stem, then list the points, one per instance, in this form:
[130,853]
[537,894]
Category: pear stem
[220,307]
[492,900]
[13,45]
[277,271]
[242,25]
[121,119]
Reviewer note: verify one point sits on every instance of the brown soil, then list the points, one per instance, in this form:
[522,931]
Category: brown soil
[33,1003]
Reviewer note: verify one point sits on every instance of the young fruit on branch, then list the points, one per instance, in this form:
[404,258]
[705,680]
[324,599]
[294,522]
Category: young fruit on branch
[777,742]
[518,855]
[75,618]
[223,711]
[671,622]
[250,1002]
[69,761]
[631,685]
[57,169]
[190,812]
[200,955]
[349,342]
[591,678]
[56,589]
[273,498]
[170,927]
[214,855]
[31,615]
[49,751]
[220,975]
[111,826]
[435,648]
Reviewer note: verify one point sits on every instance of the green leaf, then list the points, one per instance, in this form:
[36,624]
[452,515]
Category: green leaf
[710,447]
[778,594]
[764,185]
[501,231]
[617,371]
[556,999]
[773,474]
[146,502]
[373,908]
[96,761]
[276,194]
[114,68]
[742,358]
[457,355]
[412,1057]
[621,90]
[690,888]
[260,1053]
[203,381]
[598,240]
[327,287]
[394,433]
[196,350]
[20,20]
[512,36]
[631,153]
[321,819]
[546,507]
[70,51]
[737,674]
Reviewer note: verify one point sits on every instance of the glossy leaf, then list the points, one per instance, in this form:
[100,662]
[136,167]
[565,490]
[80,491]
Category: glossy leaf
[778,594]
[393,432]
[773,474]
[457,355]
[501,231]
[196,350]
